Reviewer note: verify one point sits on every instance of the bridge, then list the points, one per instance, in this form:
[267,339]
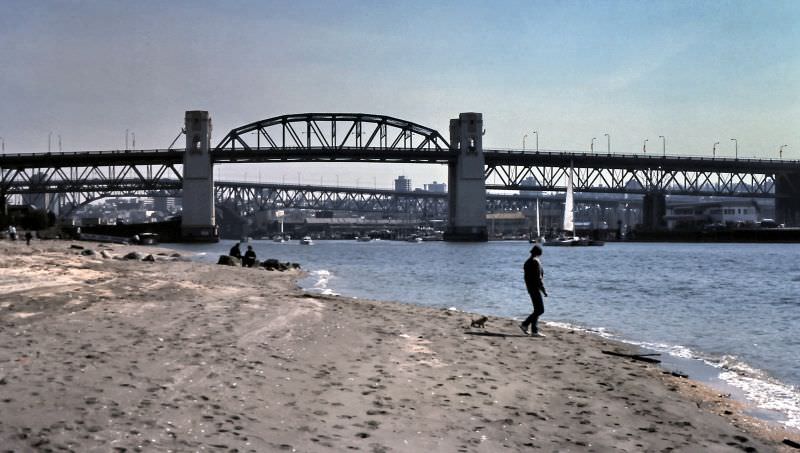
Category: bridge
[344,137]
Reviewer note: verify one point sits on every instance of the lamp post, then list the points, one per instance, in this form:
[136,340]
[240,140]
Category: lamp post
[59,143]
[133,140]
[663,145]
[714,150]
[780,150]
[591,146]
[736,147]
[644,146]
[536,133]
[523,141]
[608,137]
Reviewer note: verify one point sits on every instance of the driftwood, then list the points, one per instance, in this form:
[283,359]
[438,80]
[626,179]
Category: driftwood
[791,443]
[639,357]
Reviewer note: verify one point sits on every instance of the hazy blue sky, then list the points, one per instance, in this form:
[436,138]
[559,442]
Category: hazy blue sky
[695,72]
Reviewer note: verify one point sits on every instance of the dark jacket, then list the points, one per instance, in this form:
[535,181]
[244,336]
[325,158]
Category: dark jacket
[534,275]
[235,251]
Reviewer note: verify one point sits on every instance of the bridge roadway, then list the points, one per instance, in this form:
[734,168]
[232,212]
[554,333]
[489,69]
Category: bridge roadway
[594,172]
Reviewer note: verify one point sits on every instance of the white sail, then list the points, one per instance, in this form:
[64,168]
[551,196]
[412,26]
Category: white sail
[569,225]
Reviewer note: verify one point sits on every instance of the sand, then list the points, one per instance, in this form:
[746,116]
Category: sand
[102,354]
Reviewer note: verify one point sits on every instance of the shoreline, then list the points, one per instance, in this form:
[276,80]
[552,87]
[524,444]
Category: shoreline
[181,355]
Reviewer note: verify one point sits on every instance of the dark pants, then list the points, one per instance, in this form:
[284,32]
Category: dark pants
[538,309]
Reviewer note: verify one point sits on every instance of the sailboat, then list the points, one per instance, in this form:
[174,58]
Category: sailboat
[538,238]
[568,237]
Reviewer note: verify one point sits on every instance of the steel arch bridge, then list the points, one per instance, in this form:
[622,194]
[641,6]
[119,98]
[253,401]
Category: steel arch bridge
[358,137]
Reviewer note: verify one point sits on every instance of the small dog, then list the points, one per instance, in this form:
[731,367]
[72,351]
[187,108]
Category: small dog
[479,323]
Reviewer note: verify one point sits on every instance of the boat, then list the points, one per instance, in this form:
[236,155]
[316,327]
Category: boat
[363,238]
[278,238]
[306,240]
[568,237]
[538,239]
[414,239]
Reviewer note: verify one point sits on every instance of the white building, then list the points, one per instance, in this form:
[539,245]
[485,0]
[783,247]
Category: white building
[437,187]
[698,215]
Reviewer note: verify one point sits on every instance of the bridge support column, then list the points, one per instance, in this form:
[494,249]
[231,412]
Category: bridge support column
[654,208]
[197,222]
[466,181]
[787,198]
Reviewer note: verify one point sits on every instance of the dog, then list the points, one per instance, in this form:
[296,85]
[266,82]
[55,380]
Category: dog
[479,323]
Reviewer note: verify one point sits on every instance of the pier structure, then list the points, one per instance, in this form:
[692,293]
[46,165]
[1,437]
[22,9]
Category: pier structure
[197,220]
[359,137]
[466,181]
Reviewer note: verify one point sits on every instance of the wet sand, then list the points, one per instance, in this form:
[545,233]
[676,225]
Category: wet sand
[103,354]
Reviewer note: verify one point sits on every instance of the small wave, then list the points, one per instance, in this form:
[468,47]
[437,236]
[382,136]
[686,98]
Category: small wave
[319,281]
[758,388]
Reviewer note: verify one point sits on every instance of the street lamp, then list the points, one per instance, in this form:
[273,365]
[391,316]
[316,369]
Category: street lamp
[133,139]
[663,145]
[59,143]
[609,143]
[523,141]
[644,146]
[714,150]
[780,150]
[736,146]
[536,133]
[591,146]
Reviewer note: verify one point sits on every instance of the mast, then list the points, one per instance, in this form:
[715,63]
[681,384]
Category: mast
[538,233]
[569,225]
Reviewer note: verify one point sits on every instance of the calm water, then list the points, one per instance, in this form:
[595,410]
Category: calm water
[735,307]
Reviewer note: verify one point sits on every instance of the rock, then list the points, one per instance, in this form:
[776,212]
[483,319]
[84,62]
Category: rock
[105,254]
[88,252]
[226,260]
[75,246]
[133,256]
[150,258]
[275,265]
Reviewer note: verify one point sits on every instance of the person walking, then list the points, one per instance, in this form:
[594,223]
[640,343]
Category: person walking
[534,282]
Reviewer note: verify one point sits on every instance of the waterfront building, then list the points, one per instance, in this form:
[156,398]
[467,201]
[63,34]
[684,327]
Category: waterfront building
[720,213]
[402,184]
[437,187]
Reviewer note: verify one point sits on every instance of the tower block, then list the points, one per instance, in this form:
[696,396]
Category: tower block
[467,186]
[197,222]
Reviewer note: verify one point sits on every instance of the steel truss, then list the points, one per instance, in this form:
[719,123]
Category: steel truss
[548,171]
[333,137]
[79,185]
[246,198]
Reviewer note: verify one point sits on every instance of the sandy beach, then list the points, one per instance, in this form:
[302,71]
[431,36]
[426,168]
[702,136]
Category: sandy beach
[105,354]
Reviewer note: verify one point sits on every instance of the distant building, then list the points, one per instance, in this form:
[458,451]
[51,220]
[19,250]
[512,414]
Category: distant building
[436,187]
[698,215]
[402,184]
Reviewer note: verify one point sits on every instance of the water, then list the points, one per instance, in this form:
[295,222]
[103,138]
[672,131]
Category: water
[732,307]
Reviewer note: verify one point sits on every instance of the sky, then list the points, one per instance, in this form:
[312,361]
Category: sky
[694,72]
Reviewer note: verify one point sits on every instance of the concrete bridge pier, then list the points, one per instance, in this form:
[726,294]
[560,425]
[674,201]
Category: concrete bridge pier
[466,183]
[654,208]
[787,198]
[197,222]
